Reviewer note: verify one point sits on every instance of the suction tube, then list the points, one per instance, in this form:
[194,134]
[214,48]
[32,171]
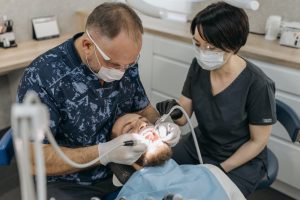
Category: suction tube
[191,127]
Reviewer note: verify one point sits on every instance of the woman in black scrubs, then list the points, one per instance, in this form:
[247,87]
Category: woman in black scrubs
[233,100]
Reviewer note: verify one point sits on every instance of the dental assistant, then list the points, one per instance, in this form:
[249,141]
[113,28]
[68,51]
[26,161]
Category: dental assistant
[233,100]
[87,82]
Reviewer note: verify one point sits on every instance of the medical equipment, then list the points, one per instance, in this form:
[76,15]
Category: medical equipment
[130,143]
[7,35]
[30,121]
[159,12]
[159,131]
[272,27]
[290,34]
[165,116]
[166,197]
[246,4]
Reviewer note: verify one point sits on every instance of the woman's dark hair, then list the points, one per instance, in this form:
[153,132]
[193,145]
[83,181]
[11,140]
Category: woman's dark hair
[222,25]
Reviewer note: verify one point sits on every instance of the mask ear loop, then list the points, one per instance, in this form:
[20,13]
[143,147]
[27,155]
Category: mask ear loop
[88,65]
[87,62]
[97,57]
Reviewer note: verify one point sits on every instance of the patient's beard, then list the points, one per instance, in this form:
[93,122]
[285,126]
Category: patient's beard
[157,155]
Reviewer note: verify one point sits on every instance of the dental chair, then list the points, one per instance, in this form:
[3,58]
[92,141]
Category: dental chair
[291,122]
[6,147]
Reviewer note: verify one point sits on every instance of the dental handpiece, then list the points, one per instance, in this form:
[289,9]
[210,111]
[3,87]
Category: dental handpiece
[130,143]
[160,120]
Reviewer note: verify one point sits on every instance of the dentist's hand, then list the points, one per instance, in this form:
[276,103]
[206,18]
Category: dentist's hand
[164,107]
[114,151]
[169,133]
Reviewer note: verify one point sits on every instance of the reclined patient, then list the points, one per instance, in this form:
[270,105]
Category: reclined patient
[155,174]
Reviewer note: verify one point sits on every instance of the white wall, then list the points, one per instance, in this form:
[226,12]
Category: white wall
[288,9]
[22,11]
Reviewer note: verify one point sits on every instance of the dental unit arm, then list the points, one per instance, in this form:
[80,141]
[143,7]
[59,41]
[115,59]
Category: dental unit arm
[30,123]
[165,116]
[160,12]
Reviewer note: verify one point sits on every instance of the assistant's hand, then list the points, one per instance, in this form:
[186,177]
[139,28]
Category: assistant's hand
[169,133]
[114,151]
[164,107]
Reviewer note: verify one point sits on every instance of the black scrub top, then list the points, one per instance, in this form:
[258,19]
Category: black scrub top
[224,118]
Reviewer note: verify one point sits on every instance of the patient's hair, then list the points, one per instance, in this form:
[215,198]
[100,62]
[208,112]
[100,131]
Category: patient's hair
[161,154]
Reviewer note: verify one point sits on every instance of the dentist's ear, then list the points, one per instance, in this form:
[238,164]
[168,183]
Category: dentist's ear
[87,47]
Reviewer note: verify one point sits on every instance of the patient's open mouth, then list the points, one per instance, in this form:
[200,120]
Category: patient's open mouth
[150,134]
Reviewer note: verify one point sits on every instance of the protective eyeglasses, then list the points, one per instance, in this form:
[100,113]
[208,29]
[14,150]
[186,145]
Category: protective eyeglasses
[206,47]
[107,58]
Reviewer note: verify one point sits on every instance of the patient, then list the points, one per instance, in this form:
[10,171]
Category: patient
[155,175]
[158,151]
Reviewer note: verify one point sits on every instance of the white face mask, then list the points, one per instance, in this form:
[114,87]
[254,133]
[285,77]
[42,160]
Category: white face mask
[106,74]
[209,60]
[110,74]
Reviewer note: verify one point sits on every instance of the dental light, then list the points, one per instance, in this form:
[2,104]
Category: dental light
[159,12]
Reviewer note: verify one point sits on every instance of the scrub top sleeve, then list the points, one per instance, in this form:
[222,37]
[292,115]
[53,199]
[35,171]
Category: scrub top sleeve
[140,99]
[186,91]
[32,82]
[261,102]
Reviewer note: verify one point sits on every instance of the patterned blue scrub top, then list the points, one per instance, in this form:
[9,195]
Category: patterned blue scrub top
[82,111]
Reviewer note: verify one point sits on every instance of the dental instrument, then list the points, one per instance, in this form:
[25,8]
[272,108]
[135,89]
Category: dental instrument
[165,116]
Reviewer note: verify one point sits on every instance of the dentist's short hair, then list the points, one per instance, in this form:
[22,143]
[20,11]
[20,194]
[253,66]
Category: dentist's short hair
[109,19]
[223,26]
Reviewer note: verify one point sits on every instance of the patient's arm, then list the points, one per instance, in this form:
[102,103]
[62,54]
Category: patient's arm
[230,188]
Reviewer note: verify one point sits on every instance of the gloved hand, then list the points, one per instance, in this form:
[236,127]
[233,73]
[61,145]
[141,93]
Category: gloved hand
[169,133]
[114,151]
[165,106]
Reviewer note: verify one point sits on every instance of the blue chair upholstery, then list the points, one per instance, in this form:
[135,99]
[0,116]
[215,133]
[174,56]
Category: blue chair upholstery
[291,122]
[6,148]
[113,195]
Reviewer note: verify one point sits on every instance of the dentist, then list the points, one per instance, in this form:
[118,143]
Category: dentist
[233,100]
[87,82]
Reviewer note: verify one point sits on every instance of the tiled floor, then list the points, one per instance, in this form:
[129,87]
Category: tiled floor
[9,189]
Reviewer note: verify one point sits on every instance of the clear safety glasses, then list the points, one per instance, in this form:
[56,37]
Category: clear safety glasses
[206,47]
[108,59]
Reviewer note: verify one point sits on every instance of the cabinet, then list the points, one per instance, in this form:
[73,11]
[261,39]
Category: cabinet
[163,68]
